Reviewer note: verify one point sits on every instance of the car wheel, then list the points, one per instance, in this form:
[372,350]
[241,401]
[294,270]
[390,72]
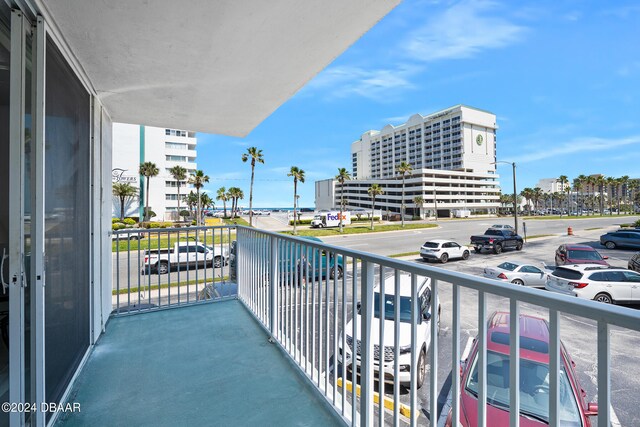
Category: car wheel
[422,368]
[465,255]
[163,267]
[610,245]
[603,297]
[444,258]
[517,282]
[476,250]
[497,249]
[332,274]
[217,262]
[518,246]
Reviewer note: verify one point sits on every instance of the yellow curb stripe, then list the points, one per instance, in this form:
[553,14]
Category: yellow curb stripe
[388,403]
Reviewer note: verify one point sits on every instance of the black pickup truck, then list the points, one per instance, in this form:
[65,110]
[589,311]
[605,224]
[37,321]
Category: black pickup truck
[497,240]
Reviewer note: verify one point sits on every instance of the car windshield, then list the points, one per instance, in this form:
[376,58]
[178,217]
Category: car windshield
[534,388]
[432,245]
[590,255]
[508,266]
[404,310]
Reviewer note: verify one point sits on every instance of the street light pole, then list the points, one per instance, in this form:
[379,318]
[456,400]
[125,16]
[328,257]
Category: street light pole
[515,194]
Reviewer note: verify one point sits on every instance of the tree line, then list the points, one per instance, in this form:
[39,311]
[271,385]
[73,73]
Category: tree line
[591,193]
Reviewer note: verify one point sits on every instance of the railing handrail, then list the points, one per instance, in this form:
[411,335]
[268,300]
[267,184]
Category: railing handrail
[174,229]
[613,315]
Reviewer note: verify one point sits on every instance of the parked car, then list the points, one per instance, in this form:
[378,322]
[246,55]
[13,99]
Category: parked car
[534,379]
[496,239]
[518,273]
[596,282]
[634,263]
[579,254]
[502,226]
[404,338]
[129,234]
[184,254]
[620,239]
[443,250]
[305,263]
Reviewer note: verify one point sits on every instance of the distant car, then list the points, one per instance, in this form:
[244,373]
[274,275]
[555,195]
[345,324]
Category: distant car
[634,263]
[534,379]
[502,226]
[443,250]
[620,239]
[129,234]
[596,282]
[579,254]
[518,273]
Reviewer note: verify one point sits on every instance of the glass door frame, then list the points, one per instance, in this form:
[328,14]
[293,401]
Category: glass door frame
[19,284]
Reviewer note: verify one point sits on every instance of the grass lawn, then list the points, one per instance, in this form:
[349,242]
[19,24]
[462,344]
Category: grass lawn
[155,242]
[165,286]
[357,229]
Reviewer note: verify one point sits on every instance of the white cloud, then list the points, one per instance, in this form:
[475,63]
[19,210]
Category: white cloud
[578,145]
[345,81]
[462,31]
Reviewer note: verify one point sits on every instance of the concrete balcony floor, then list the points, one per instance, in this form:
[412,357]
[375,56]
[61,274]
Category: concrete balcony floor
[203,365]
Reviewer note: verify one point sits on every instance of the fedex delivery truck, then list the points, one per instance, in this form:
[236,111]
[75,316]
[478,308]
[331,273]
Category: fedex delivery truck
[330,219]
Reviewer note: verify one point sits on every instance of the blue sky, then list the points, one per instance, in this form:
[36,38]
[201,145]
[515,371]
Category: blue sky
[562,77]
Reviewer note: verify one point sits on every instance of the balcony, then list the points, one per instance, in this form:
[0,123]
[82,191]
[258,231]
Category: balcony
[270,327]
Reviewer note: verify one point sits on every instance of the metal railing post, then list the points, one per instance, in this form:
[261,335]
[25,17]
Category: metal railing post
[273,286]
[366,342]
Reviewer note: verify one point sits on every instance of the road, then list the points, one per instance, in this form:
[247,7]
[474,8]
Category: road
[396,242]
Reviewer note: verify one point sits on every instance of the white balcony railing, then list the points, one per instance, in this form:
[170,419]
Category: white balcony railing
[304,293]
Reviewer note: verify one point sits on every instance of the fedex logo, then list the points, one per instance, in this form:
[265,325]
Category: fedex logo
[335,217]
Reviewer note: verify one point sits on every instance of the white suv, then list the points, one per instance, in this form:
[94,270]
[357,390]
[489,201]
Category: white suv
[596,282]
[404,353]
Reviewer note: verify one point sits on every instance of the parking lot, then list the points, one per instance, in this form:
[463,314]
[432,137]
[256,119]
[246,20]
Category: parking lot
[578,334]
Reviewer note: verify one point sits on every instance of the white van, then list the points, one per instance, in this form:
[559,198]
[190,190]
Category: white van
[330,219]
[404,353]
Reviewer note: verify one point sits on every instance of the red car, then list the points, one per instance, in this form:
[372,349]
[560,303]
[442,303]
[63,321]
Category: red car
[579,254]
[534,379]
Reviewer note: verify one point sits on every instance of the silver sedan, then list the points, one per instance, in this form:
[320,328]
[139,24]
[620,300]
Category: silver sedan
[518,273]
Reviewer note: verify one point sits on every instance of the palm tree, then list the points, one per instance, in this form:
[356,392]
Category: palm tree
[374,190]
[206,201]
[298,175]
[623,183]
[148,170]
[403,168]
[198,179]
[343,175]
[633,186]
[124,192]
[256,156]
[599,182]
[536,195]
[578,184]
[610,182]
[179,174]
[419,202]
[191,200]
[527,194]
[235,194]
[564,181]
[222,195]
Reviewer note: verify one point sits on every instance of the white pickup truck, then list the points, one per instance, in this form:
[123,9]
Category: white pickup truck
[185,254]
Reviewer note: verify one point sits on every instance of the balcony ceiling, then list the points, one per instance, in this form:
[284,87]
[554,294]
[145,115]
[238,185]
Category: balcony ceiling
[209,66]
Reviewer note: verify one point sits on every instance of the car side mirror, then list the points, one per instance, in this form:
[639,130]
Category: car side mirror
[426,316]
[592,410]
[605,257]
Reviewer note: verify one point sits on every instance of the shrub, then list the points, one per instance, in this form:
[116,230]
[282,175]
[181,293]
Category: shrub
[114,220]
[129,221]
[637,223]
[154,225]
[300,222]
[185,213]
[117,226]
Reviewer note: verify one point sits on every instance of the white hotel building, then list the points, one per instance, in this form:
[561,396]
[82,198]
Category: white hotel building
[135,144]
[452,152]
